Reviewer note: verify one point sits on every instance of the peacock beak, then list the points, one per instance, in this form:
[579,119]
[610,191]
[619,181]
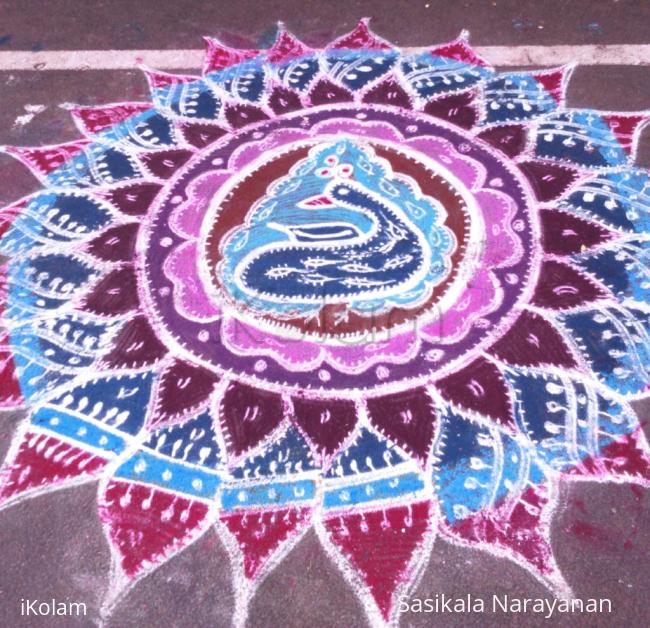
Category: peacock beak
[316,202]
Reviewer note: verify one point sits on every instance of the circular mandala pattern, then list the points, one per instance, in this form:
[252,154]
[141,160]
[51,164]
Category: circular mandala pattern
[388,295]
[335,230]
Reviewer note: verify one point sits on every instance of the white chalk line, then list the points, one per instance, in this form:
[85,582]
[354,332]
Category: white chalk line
[613,54]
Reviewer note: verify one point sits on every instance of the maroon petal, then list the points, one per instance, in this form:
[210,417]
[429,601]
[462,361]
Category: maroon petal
[561,286]
[134,200]
[42,460]
[625,458]
[248,415]
[549,180]
[566,234]
[10,393]
[147,524]
[260,535]
[326,423]
[96,119]
[459,109]
[360,37]
[626,127]
[406,418]
[283,100]
[388,92]
[220,57]
[201,135]
[157,79]
[116,244]
[516,526]
[479,387]
[379,546]
[116,293]
[136,345]
[182,390]
[325,92]
[285,48]
[239,115]
[510,138]
[43,160]
[459,50]
[164,163]
[554,81]
[532,341]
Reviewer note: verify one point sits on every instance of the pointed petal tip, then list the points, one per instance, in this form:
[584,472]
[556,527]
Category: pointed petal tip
[361,37]
[286,47]
[42,160]
[460,50]
[158,78]
[147,525]
[556,80]
[627,127]
[218,56]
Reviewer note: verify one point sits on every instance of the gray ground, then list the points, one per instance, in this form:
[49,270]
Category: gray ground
[53,545]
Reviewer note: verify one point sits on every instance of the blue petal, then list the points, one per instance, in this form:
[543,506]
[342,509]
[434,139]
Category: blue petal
[569,421]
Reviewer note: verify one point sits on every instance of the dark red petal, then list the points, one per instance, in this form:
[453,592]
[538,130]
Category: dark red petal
[406,418]
[459,109]
[164,163]
[566,234]
[553,81]
[515,525]
[10,393]
[201,135]
[283,99]
[326,423]
[549,180]
[146,524]
[561,286]
[135,346]
[360,37]
[115,293]
[625,127]
[380,545]
[134,200]
[42,161]
[158,79]
[388,92]
[325,92]
[96,119]
[43,460]
[8,214]
[508,138]
[220,57]
[532,341]
[479,387]
[625,458]
[239,115]
[261,534]
[116,244]
[183,388]
[286,48]
[459,50]
[248,415]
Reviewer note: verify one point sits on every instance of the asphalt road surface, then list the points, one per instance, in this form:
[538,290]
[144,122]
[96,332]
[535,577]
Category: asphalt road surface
[53,546]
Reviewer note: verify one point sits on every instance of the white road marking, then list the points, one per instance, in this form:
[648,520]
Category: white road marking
[504,56]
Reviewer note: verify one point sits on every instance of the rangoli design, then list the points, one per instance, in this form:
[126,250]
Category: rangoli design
[388,295]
